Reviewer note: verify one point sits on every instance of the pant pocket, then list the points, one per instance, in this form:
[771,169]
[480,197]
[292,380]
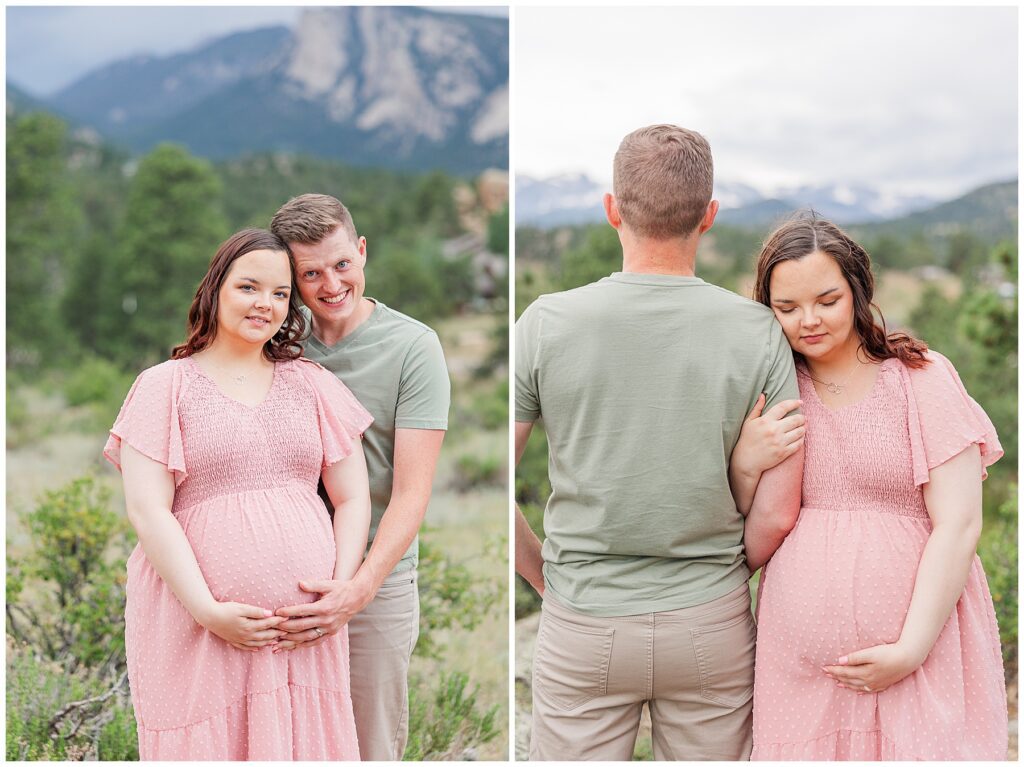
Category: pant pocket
[570,666]
[725,660]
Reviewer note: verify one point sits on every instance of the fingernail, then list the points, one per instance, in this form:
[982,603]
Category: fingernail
[842,661]
[267,614]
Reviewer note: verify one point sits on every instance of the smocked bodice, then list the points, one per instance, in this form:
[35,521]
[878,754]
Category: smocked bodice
[234,448]
[856,456]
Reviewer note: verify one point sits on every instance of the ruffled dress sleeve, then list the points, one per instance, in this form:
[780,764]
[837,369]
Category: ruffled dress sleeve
[944,420]
[342,419]
[149,420]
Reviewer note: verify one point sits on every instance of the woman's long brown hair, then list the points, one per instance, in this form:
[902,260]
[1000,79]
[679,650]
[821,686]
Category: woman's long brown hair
[202,316]
[808,233]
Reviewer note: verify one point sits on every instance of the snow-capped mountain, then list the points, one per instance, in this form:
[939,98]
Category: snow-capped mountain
[576,199]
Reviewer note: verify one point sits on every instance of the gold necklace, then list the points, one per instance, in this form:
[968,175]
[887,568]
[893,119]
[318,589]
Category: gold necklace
[831,386]
[238,379]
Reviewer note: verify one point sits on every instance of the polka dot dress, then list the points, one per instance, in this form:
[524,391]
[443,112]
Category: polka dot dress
[246,481]
[843,579]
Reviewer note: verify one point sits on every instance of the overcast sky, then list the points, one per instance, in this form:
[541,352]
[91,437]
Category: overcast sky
[48,48]
[914,100]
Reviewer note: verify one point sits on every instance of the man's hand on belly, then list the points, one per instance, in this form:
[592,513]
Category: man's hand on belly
[311,623]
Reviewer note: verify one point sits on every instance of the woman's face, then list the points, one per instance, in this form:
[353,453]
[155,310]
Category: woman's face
[253,299]
[814,304]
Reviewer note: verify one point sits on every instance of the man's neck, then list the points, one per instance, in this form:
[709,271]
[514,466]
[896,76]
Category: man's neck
[677,256]
[332,334]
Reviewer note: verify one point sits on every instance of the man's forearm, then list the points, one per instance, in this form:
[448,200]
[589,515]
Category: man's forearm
[529,561]
[397,530]
[774,510]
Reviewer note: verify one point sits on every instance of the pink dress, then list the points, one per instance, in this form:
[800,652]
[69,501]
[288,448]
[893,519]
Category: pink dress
[246,496]
[843,579]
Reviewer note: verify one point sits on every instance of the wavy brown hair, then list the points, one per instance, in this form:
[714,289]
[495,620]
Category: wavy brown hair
[808,233]
[202,316]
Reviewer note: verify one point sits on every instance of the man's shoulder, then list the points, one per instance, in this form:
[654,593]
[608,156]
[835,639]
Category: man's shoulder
[734,300]
[572,296]
[399,327]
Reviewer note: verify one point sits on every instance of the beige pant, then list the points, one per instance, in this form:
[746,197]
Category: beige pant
[694,667]
[381,640]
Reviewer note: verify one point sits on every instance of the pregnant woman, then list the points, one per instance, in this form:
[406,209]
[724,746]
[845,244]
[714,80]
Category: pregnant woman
[877,638]
[221,449]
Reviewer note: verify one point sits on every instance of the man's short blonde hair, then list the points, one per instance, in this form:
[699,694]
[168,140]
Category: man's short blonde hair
[309,218]
[663,180]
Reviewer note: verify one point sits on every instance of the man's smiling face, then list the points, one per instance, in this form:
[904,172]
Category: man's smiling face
[330,277]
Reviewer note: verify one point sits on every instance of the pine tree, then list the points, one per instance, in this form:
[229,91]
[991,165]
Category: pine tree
[172,225]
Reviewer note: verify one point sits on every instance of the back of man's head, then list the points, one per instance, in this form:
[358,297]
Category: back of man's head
[663,180]
[309,218]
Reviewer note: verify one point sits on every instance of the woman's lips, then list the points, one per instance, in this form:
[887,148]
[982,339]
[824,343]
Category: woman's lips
[812,339]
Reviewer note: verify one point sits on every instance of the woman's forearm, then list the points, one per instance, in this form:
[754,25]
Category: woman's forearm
[169,552]
[941,577]
[348,487]
[149,495]
[743,485]
[351,531]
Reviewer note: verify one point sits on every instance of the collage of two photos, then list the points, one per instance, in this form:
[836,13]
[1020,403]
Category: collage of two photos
[511,383]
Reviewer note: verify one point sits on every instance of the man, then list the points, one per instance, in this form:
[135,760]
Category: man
[643,381]
[395,367]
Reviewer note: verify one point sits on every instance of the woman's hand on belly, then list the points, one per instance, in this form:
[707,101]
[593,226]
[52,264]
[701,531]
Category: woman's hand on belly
[873,669]
[242,626]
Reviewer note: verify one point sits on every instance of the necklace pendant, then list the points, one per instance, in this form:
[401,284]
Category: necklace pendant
[834,388]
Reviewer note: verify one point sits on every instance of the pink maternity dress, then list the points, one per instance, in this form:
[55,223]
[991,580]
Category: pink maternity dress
[246,496]
[843,579]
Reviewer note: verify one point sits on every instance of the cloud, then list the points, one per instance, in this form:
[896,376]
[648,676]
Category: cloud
[911,98]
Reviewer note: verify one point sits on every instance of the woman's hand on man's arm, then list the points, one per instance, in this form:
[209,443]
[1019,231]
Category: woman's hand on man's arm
[766,440]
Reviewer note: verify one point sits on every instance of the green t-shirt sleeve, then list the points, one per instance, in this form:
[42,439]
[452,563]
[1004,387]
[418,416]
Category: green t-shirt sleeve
[424,393]
[527,396]
[781,383]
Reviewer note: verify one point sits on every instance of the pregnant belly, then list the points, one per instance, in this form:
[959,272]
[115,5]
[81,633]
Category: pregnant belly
[842,581]
[256,547]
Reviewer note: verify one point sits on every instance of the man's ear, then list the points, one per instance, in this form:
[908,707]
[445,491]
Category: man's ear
[611,211]
[362,248]
[709,217]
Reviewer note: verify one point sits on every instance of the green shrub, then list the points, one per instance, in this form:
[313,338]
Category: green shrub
[473,471]
[75,576]
[998,552]
[100,384]
[451,595]
[490,408]
[37,689]
[446,721]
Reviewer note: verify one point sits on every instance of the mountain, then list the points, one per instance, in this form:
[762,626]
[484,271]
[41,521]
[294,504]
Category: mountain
[575,199]
[564,200]
[988,212]
[399,87]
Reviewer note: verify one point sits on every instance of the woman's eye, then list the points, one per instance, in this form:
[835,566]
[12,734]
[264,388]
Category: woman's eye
[281,294]
[786,311]
[247,287]
[831,303]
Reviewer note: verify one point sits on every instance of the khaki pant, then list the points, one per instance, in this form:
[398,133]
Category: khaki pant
[694,667]
[381,640]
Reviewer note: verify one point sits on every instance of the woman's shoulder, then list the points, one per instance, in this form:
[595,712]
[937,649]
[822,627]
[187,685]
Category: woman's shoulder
[937,372]
[165,375]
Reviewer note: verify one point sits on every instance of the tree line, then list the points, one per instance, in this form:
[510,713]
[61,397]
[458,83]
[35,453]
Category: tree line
[105,250]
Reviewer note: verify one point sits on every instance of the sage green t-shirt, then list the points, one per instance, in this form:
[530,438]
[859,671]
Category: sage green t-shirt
[395,367]
[643,382]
